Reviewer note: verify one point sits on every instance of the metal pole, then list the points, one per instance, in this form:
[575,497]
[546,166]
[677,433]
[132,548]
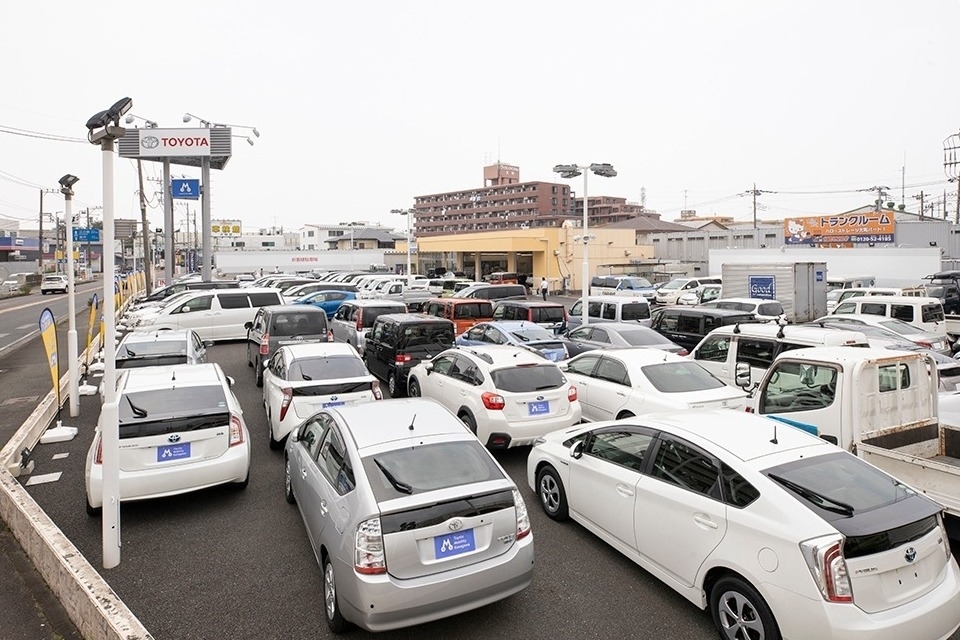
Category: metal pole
[409,273]
[109,416]
[40,252]
[168,248]
[585,275]
[205,214]
[72,353]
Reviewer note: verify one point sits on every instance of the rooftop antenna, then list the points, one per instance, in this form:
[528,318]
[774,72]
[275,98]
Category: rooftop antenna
[774,439]
[412,420]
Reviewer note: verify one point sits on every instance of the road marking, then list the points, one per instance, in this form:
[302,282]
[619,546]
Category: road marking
[25,326]
[44,478]
[60,456]
[4,335]
[32,399]
[43,299]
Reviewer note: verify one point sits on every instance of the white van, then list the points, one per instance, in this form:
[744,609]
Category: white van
[922,312]
[836,296]
[215,314]
[758,344]
[610,309]
[670,293]
[632,286]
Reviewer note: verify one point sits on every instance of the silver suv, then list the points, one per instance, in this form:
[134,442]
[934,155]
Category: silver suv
[355,317]
[53,284]
[406,509]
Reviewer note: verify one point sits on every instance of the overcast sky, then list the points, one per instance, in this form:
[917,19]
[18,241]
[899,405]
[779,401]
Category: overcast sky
[362,106]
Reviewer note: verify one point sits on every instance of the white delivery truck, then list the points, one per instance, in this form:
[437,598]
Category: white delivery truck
[800,287]
[880,404]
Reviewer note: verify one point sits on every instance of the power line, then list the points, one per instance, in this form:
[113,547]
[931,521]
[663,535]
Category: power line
[37,134]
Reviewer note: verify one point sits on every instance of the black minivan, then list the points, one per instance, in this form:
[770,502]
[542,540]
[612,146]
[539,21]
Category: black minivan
[687,326]
[280,325]
[399,341]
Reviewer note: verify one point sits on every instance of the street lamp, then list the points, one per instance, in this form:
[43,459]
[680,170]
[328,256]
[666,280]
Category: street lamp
[409,213]
[572,171]
[66,188]
[103,128]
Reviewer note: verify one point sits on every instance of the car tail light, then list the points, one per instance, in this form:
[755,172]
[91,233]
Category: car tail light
[360,320]
[285,403]
[924,344]
[402,359]
[368,548]
[98,456]
[828,567]
[265,345]
[329,335]
[236,430]
[943,536]
[748,409]
[572,393]
[493,401]
[523,518]
[375,387]
[683,352]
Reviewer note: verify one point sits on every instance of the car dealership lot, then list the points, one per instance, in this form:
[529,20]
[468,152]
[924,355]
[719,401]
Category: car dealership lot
[222,563]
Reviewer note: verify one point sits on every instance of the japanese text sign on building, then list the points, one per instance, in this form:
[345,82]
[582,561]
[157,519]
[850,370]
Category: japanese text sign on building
[843,229]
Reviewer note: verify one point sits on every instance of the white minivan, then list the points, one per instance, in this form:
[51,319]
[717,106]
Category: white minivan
[922,312]
[215,314]
[757,344]
[670,293]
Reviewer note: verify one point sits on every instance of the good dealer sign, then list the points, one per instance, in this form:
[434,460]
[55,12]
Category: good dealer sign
[174,142]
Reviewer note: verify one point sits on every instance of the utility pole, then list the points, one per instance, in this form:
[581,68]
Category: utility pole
[920,198]
[145,232]
[754,192]
[40,238]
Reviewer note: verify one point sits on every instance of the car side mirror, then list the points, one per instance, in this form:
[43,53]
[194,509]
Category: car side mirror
[428,368]
[230,381]
[563,366]
[208,343]
[742,375]
[368,335]
[248,325]
[831,439]
[576,450]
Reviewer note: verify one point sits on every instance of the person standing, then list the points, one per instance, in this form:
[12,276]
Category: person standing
[544,287]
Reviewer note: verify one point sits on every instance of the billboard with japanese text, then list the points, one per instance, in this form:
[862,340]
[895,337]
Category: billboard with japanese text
[845,229]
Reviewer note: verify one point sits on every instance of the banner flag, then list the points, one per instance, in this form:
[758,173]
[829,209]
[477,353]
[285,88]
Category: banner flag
[48,330]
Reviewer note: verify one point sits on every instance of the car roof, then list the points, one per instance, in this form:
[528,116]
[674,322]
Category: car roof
[620,326]
[404,318]
[277,309]
[528,303]
[640,357]
[176,375]
[616,299]
[375,423]
[504,355]
[746,436]
[791,331]
[320,349]
[894,299]
[847,356]
[368,302]
[710,311]
[756,301]
[512,325]
[159,335]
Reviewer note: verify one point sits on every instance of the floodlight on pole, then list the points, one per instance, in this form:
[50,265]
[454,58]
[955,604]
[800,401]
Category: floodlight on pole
[103,129]
[148,124]
[409,213]
[572,171]
[66,188]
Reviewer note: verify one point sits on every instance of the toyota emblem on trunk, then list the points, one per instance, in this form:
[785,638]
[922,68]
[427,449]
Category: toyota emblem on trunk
[910,554]
[456,524]
[174,437]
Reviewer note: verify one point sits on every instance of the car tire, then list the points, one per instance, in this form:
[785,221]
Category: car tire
[249,361]
[469,421]
[624,414]
[394,386]
[288,481]
[275,445]
[550,493]
[258,372]
[413,388]
[331,606]
[737,607]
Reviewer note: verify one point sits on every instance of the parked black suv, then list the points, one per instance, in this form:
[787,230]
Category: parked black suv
[945,286]
[280,325]
[399,341]
[686,326]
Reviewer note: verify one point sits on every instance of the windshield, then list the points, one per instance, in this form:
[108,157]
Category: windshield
[533,333]
[638,338]
[674,284]
[420,468]
[680,377]
[901,327]
[327,368]
[634,283]
[147,349]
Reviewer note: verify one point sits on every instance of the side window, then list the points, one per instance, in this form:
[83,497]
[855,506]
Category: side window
[682,464]
[755,352]
[669,322]
[581,333]
[197,304]
[902,312]
[443,364]
[264,299]
[334,462]
[593,309]
[932,313]
[714,349]
[889,374]
[341,313]
[234,301]
[736,490]
[873,308]
[583,365]
[796,386]
[378,331]
[625,447]
[599,335]
[612,371]
[710,323]
[846,307]
[259,323]
[688,324]
[499,312]
[476,332]
[493,336]
[311,434]
[609,311]
[576,309]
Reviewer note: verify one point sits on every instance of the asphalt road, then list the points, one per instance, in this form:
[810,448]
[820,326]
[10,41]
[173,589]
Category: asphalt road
[20,315]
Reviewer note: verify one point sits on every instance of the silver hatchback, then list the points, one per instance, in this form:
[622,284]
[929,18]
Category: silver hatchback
[410,517]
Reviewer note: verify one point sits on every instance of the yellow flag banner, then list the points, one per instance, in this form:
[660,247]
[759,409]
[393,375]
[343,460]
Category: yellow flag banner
[48,330]
[92,322]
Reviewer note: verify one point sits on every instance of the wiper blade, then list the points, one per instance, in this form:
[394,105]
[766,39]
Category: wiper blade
[402,487]
[138,412]
[818,499]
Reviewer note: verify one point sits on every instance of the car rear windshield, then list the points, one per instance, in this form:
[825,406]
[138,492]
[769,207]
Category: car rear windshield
[638,338]
[421,468]
[157,348]
[529,333]
[634,311]
[680,377]
[156,411]
[329,368]
[548,314]
[418,335]
[525,379]
[150,361]
[298,324]
[369,314]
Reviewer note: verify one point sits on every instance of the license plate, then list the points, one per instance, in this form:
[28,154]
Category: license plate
[537,408]
[453,544]
[332,404]
[168,452]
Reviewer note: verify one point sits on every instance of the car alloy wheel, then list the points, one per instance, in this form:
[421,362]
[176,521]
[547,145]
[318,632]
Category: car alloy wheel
[288,482]
[550,491]
[740,612]
[413,389]
[331,607]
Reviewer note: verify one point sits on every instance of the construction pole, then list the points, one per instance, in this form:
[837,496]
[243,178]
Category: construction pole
[145,232]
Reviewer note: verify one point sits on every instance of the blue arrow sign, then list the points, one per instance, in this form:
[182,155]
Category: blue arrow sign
[82,234]
[185,189]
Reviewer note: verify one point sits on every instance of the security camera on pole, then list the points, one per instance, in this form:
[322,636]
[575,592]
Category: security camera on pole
[103,128]
[572,171]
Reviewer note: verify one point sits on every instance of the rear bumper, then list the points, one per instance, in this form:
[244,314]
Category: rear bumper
[499,434]
[380,603]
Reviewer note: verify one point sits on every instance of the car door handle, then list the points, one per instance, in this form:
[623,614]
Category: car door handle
[621,394]
[704,521]
[303,473]
[624,490]
[323,508]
